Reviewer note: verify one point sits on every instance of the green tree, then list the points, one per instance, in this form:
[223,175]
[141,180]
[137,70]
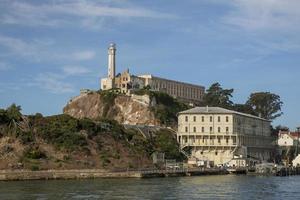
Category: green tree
[244,108]
[217,96]
[266,104]
[13,113]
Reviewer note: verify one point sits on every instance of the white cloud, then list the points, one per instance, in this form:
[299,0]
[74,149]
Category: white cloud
[75,70]
[70,12]
[280,15]
[17,46]
[83,55]
[53,83]
[39,50]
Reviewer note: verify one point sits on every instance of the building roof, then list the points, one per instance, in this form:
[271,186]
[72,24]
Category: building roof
[294,135]
[217,110]
[150,76]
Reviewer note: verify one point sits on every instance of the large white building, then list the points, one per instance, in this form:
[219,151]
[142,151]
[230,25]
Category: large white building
[219,135]
[127,82]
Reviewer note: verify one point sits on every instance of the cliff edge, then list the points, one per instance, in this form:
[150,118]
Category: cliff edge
[134,110]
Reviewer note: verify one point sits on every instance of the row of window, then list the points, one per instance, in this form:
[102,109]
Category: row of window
[211,141]
[203,119]
[179,89]
[203,129]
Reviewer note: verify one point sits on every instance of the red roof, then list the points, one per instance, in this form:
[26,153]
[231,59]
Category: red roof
[295,135]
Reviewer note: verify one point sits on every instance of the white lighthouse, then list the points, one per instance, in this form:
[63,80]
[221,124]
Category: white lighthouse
[112,61]
[109,82]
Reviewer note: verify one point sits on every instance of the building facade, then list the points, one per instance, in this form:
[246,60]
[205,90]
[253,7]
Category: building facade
[219,135]
[127,82]
[285,139]
[183,91]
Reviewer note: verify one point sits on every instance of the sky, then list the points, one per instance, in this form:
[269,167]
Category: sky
[49,50]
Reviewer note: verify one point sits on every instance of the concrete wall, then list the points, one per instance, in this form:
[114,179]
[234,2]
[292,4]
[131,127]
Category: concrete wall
[7,175]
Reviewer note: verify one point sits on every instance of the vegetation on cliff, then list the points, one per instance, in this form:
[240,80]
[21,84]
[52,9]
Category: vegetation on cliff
[63,142]
[166,108]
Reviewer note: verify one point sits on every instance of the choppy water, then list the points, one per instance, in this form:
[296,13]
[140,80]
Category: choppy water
[205,187]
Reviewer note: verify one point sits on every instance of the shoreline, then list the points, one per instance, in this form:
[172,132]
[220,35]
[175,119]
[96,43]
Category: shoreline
[22,175]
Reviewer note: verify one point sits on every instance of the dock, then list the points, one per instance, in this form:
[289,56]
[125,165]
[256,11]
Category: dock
[183,172]
[14,175]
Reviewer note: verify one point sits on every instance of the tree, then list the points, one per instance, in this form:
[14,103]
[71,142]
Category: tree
[13,113]
[244,108]
[266,104]
[217,96]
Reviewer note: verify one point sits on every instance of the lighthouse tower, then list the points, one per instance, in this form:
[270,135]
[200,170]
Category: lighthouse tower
[111,66]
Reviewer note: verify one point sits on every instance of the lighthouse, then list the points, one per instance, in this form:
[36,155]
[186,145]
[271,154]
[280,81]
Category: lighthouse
[111,66]
[112,61]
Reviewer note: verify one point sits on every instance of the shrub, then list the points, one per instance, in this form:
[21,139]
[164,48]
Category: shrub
[167,143]
[34,168]
[167,107]
[25,137]
[69,141]
[3,116]
[61,130]
[34,153]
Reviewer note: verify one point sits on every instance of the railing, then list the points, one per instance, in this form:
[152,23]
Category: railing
[165,171]
[208,145]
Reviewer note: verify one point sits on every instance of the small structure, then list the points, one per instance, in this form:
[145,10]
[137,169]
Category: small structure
[172,164]
[85,91]
[158,158]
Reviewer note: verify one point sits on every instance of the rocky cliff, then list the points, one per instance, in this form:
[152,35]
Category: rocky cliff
[135,109]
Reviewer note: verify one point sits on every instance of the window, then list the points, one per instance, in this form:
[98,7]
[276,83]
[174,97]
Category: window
[202,130]
[219,129]
[219,119]
[219,140]
[227,129]
[194,118]
[195,130]
[210,118]
[227,140]
[202,118]
[186,118]
[234,140]
[186,129]
[211,129]
[216,153]
[227,119]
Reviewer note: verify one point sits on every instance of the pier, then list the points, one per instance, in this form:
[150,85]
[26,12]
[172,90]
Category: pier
[13,175]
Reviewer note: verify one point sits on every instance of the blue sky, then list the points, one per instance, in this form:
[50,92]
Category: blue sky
[49,50]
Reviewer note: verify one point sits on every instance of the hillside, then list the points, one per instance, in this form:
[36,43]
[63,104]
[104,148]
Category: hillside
[63,142]
[144,107]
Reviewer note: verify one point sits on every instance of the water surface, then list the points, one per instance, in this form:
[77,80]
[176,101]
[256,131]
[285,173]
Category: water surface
[204,187]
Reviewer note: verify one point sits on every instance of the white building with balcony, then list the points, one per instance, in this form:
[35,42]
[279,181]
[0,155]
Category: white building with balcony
[221,136]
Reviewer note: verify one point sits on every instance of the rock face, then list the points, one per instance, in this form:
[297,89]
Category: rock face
[132,110]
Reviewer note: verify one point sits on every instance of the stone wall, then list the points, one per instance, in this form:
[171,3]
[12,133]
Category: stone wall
[7,175]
